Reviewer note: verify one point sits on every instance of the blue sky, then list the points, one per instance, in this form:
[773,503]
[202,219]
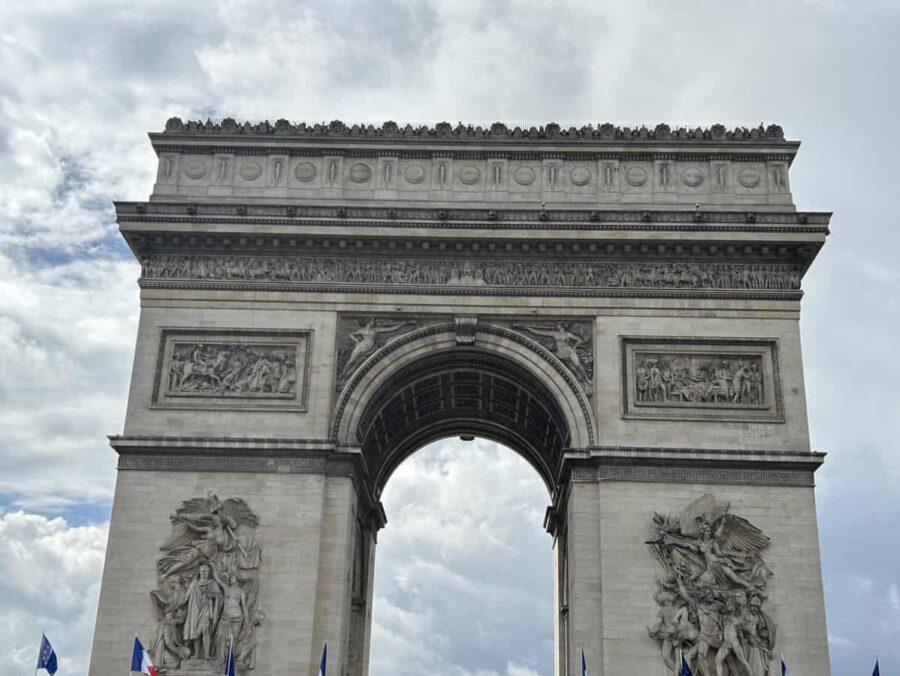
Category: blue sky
[84,81]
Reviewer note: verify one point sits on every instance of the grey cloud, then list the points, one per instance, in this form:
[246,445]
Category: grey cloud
[84,82]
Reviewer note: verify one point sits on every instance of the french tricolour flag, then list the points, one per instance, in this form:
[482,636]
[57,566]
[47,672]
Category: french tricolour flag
[140,659]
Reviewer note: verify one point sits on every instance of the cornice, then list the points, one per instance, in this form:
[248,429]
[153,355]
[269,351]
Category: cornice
[486,218]
[720,466]
[384,290]
[496,132]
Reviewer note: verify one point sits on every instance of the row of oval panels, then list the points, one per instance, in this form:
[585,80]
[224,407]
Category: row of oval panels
[634,175]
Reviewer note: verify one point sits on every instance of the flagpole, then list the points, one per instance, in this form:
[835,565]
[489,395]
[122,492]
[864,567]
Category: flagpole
[43,634]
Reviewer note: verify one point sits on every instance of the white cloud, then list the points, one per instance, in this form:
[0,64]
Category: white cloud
[49,580]
[462,560]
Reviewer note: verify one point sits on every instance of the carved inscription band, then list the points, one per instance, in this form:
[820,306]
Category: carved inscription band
[479,273]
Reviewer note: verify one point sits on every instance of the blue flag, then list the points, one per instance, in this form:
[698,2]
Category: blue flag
[229,661]
[684,669]
[583,665]
[47,657]
[324,659]
[877,671]
[784,670]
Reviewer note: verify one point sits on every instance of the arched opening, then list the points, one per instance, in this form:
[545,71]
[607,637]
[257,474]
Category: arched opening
[463,582]
[427,387]
[466,392]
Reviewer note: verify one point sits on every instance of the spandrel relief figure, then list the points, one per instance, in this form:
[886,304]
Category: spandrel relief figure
[570,344]
[364,341]
[208,585]
[711,591]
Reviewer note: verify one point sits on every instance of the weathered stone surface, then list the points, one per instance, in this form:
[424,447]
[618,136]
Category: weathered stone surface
[619,306]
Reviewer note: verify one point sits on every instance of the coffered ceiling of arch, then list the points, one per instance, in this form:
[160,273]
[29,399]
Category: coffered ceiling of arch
[463,391]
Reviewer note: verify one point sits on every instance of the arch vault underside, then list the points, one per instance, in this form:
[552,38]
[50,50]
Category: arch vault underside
[618,306]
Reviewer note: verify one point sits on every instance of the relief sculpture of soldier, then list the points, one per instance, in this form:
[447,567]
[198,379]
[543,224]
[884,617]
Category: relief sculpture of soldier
[232,370]
[711,591]
[688,379]
[208,587]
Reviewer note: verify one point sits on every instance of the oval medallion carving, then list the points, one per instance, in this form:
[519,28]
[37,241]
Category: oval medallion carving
[636,176]
[524,176]
[250,170]
[195,169]
[360,173]
[749,178]
[415,173]
[692,177]
[580,176]
[469,175]
[305,172]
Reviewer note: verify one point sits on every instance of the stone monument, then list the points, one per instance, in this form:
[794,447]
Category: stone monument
[618,305]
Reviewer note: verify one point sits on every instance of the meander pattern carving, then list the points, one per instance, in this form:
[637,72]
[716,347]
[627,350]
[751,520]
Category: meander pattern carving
[479,272]
[679,379]
[208,587]
[232,370]
[711,593]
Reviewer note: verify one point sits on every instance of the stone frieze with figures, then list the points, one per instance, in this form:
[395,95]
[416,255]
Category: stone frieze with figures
[474,273]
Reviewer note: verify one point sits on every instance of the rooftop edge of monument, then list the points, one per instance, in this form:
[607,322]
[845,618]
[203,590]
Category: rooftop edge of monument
[498,131]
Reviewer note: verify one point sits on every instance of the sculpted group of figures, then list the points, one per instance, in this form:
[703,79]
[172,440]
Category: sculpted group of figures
[233,369]
[662,379]
[712,592]
[676,275]
[208,591]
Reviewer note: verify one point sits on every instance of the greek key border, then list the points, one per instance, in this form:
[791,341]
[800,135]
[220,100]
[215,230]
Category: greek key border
[697,475]
[230,463]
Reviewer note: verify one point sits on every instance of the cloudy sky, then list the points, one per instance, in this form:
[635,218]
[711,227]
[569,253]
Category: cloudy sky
[82,83]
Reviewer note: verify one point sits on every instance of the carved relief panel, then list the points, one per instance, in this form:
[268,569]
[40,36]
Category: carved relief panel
[712,591]
[701,379]
[232,369]
[207,596]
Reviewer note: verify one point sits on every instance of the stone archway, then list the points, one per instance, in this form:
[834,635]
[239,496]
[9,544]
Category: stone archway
[443,380]
[620,306]
[438,349]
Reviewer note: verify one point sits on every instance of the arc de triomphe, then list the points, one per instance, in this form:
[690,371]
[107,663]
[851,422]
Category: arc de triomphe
[619,306]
